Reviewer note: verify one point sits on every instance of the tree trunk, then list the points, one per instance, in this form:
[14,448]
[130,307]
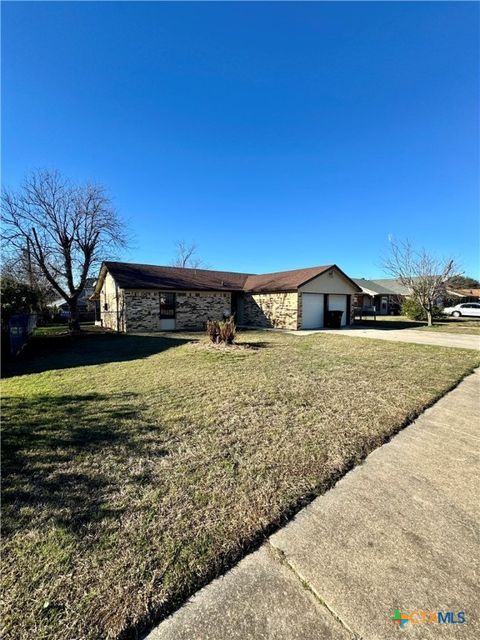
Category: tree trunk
[74,322]
[429,317]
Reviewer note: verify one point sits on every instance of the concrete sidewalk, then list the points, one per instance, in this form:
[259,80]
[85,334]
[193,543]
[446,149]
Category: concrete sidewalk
[437,338]
[398,532]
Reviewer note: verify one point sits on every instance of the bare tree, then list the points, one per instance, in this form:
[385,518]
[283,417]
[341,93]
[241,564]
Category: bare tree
[67,230]
[186,256]
[421,273]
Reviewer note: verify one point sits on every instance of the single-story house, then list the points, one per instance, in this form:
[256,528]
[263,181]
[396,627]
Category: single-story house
[384,296]
[140,297]
[381,297]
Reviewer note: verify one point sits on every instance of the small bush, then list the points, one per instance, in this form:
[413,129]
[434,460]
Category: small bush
[413,310]
[228,330]
[222,330]
[213,330]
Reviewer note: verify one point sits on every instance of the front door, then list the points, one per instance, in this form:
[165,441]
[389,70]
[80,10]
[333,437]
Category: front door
[167,311]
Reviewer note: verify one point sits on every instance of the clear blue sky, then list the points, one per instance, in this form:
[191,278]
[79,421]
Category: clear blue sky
[274,135]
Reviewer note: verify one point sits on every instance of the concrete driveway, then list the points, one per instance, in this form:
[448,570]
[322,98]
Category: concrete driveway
[437,338]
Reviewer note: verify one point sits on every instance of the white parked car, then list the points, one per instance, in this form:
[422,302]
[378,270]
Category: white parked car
[464,309]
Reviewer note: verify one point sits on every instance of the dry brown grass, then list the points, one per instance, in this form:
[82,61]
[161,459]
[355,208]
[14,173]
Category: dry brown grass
[138,468]
[468,326]
[453,325]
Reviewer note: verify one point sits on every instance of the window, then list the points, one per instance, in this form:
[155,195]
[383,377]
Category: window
[167,305]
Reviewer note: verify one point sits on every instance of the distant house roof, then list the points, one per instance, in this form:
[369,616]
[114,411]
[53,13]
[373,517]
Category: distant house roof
[373,287]
[394,285]
[464,293]
[60,302]
[145,276]
[85,294]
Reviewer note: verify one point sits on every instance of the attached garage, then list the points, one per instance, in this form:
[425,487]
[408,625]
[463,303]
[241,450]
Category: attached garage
[329,291]
[312,310]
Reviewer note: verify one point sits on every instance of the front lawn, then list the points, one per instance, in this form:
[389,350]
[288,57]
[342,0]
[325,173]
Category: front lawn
[453,325]
[470,326]
[136,468]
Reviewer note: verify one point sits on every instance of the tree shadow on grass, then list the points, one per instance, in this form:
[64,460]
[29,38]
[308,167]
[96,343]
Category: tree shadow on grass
[45,353]
[389,324]
[63,458]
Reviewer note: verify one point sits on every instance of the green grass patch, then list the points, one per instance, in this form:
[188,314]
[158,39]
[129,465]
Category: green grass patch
[137,468]
[62,329]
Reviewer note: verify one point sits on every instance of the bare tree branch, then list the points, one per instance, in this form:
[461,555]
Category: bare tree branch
[69,229]
[421,273]
[186,256]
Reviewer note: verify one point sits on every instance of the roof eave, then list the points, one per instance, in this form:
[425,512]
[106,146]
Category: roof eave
[101,279]
[271,290]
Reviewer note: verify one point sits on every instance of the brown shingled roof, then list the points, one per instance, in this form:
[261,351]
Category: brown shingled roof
[147,276]
[283,280]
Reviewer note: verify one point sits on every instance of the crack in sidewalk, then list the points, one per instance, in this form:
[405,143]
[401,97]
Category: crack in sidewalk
[280,556]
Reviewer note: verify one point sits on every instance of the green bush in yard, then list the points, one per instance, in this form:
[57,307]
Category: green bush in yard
[414,310]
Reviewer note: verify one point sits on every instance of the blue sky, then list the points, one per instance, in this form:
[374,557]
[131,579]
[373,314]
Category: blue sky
[274,135]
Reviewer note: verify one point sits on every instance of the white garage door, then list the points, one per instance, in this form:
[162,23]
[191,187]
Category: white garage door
[312,310]
[338,303]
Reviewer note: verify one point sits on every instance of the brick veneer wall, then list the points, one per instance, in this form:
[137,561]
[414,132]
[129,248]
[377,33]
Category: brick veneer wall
[194,308]
[279,310]
[139,309]
[142,310]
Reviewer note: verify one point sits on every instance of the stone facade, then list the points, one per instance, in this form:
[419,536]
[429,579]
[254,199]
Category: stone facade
[139,309]
[299,310]
[142,310]
[277,309]
[194,308]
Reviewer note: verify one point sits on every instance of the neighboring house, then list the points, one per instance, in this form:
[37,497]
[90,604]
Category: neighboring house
[384,296]
[84,303]
[381,297]
[463,295]
[138,297]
